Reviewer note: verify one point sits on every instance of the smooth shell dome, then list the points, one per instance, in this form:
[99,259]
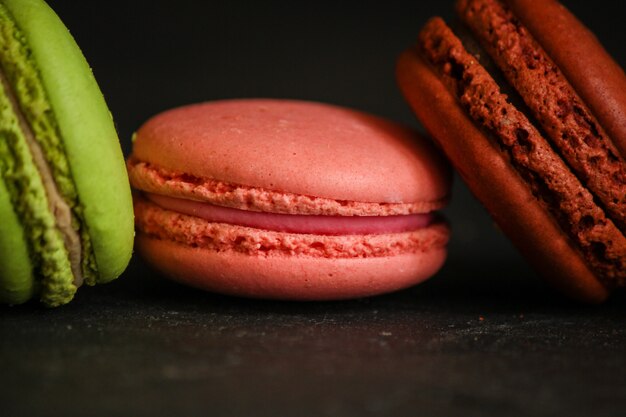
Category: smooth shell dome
[296,147]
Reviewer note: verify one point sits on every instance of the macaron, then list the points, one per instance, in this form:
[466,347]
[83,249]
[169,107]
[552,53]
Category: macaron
[287,199]
[65,202]
[531,111]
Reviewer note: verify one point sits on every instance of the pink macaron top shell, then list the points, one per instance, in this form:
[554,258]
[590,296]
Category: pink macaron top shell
[295,147]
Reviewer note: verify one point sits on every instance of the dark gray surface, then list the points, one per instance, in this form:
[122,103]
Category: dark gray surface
[145,347]
[490,343]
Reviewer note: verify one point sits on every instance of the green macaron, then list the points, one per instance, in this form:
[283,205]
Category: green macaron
[65,206]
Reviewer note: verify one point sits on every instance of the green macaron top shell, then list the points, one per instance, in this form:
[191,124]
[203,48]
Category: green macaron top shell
[87,134]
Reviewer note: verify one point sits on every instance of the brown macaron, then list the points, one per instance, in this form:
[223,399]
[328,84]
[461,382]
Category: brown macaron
[531,111]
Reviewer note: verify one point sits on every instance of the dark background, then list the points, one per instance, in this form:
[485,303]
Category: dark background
[483,337]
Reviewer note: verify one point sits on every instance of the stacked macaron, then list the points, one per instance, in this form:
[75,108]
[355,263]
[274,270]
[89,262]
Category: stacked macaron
[65,206]
[532,112]
[288,200]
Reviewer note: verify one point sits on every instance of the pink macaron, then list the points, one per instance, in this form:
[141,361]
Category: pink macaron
[288,199]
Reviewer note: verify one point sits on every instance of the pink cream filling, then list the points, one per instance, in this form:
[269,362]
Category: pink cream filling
[294,223]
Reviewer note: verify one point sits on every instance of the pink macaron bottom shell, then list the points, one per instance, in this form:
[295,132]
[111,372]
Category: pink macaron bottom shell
[251,262]
[289,277]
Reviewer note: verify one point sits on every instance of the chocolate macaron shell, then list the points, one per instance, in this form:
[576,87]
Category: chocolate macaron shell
[496,183]
[565,118]
[595,75]
[552,182]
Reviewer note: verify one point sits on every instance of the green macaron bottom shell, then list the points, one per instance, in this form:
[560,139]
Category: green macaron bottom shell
[27,193]
[17,284]
[21,73]
[89,138]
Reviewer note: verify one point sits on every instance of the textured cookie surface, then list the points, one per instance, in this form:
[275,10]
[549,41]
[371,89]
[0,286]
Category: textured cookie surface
[566,119]
[524,139]
[600,85]
[549,178]
[495,182]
